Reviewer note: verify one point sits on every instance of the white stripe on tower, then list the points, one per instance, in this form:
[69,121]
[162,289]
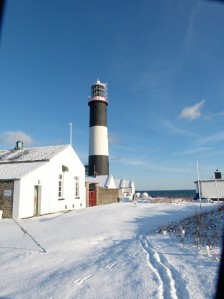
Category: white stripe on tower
[98,141]
[98,134]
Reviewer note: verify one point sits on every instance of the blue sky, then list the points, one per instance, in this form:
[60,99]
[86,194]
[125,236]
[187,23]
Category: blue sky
[162,61]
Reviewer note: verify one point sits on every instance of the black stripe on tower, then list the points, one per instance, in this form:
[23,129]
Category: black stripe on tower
[98,114]
[98,165]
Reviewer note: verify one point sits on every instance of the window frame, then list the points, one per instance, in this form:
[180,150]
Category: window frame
[61,187]
[77,186]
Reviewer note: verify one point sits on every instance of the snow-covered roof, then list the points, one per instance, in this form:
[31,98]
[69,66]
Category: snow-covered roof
[122,183]
[104,181]
[211,180]
[16,163]
[17,170]
[31,154]
[107,181]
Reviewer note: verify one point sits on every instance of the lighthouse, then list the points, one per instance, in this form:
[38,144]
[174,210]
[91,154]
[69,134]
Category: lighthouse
[98,133]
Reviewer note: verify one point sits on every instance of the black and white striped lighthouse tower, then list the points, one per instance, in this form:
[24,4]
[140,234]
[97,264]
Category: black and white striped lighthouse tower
[98,133]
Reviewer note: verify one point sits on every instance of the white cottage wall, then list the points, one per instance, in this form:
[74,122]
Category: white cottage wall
[26,191]
[47,176]
[16,195]
[111,184]
[212,189]
[70,159]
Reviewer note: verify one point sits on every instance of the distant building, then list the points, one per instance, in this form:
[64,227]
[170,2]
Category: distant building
[213,188]
[40,180]
[126,187]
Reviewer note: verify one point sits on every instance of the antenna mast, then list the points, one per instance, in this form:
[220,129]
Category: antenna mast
[70,125]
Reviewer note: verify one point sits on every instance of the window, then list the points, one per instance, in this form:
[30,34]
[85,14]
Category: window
[64,168]
[61,186]
[76,186]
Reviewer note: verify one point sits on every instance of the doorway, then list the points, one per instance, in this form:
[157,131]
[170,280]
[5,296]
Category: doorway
[92,198]
[37,193]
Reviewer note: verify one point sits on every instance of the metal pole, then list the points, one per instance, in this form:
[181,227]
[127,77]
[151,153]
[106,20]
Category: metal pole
[199,187]
[70,125]
[217,193]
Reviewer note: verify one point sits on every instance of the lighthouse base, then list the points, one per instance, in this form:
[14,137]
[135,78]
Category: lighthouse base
[98,165]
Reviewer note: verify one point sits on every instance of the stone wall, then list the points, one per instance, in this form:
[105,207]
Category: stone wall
[106,196]
[6,198]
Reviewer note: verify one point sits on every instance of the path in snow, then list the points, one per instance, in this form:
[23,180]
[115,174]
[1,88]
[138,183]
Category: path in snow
[169,280]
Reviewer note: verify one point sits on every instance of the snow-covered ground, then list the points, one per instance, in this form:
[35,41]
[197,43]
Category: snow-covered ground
[104,252]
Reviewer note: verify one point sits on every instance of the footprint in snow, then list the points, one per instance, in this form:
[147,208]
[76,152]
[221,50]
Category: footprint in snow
[110,266]
[81,281]
[134,254]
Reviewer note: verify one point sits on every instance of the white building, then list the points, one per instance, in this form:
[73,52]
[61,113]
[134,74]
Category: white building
[213,188]
[126,187]
[40,180]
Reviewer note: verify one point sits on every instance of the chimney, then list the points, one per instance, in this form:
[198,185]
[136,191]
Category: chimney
[218,175]
[19,145]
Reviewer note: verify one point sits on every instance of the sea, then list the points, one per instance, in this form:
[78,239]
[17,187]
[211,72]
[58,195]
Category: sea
[170,193]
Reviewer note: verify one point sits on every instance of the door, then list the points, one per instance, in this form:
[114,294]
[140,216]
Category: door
[92,198]
[36,200]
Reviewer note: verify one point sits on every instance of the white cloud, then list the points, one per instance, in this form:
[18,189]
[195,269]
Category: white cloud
[191,25]
[211,116]
[144,164]
[192,112]
[175,130]
[196,151]
[115,158]
[133,162]
[10,138]
[212,139]
[113,139]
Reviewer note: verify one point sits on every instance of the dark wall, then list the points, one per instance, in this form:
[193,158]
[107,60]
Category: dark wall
[6,201]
